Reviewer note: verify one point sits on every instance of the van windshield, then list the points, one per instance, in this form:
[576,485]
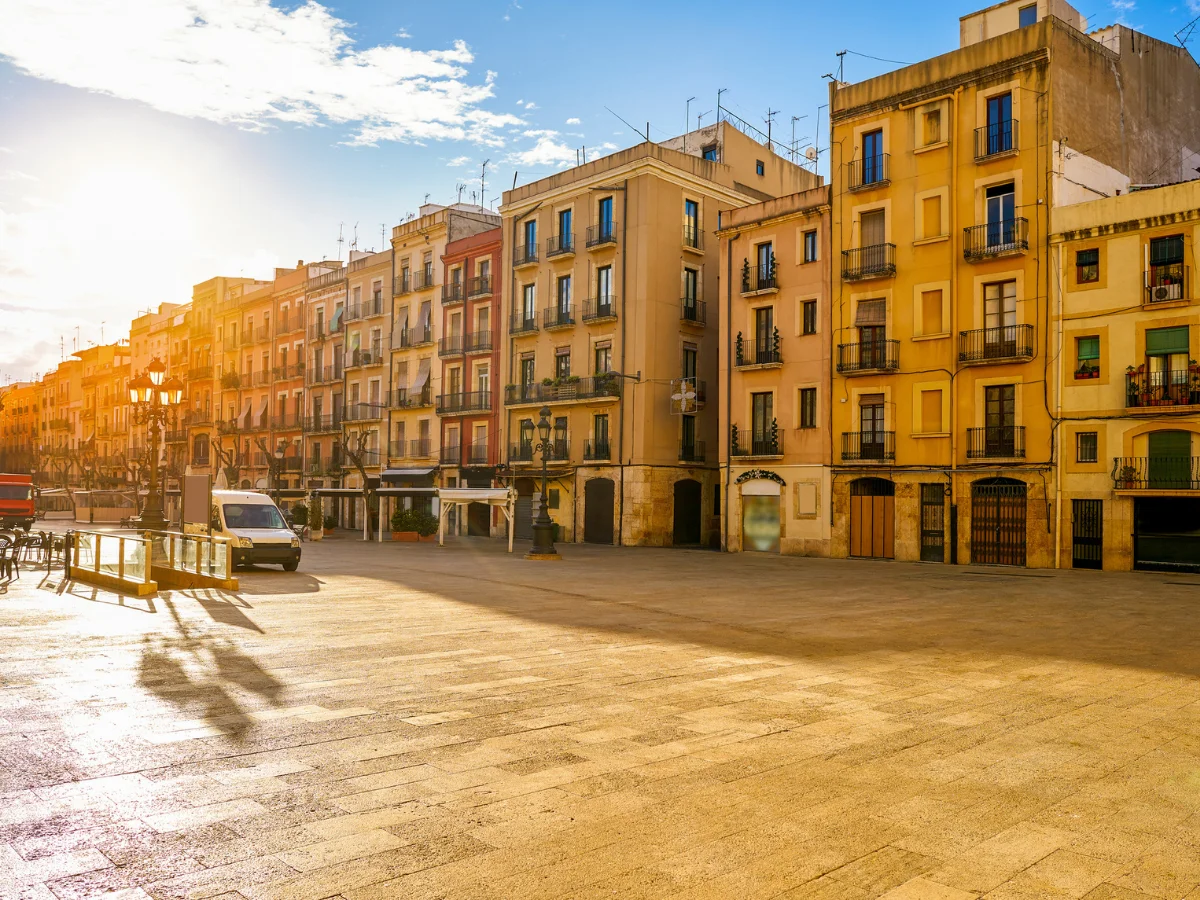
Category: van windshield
[16,492]
[253,515]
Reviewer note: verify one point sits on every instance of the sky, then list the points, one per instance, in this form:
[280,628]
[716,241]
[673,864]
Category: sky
[148,145]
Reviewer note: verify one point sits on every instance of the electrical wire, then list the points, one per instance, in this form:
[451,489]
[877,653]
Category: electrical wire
[880,58]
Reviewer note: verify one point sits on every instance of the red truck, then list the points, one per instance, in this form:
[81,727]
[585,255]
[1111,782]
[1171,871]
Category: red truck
[16,501]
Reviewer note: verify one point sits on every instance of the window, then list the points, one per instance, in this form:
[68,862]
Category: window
[1087,266]
[600,432]
[1166,275]
[564,295]
[810,316]
[1167,366]
[932,121]
[931,312]
[691,223]
[564,229]
[562,363]
[1001,215]
[530,237]
[872,440]
[810,246]
[931,216]
[529,302]
[709,152]
[603,358]
[759,167]
[527,371]
[872,161]
[1027,15]
[931,412]
[1000,318]
[1086,447]
[716,499]
[998,135]
[808,407]
[689,361]
[1087,355]
[872,232]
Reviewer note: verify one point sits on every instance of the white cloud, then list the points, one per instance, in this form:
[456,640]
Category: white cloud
[252,64]
[459,161]
[546,151]
[403,34]
[1123,4]
[531,105]
[14,175]
[573,120]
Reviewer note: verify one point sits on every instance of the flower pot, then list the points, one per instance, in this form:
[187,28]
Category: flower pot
[406,536]
[427,538]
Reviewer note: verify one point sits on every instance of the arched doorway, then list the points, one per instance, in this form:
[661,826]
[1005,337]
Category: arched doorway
[687,512]
[523,514]
[760,515]
[873,518]
[998,522]
[598,511]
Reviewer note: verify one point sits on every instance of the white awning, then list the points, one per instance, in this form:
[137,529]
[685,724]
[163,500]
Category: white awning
[241,420]
[261,418]
[422,376]
[407,473]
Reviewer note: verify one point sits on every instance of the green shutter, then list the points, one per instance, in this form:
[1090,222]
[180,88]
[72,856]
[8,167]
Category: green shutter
[1161,341]
[1164,251]
[1170,443]
[1089,348]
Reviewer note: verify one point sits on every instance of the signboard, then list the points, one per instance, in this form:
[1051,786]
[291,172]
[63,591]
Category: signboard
[197,500]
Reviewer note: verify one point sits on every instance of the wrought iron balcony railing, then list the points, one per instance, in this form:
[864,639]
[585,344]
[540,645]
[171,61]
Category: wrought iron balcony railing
[872,261]
[596,450]
[1166,282]
[477,342]
[525,255]
[1007,343]
[868,172]
[756,279]
[601,234]
[1156,473]
[1145,390]
[693,311]
[1000,238]
[871,356]
[554,317]
[522,324]
[757,353]
[589,388]
[767,442]
[996,138]
[868,446]
[599,309]
[479,286]
[996,442]
[364,412]
[464,402]
[693,452]
[558,244]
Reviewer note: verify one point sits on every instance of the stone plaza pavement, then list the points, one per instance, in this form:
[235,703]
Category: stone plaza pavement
[403,721]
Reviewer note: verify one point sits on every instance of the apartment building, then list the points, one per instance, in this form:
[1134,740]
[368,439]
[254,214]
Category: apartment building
[149,339]
[21,427]
[420,310]
[609,262]
[287,405]
[325,304]
[1128,338]
[774,315]
[945,173]
[366,362]
[104,376]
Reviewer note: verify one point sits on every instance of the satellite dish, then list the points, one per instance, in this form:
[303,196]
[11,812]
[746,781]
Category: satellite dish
[810,153]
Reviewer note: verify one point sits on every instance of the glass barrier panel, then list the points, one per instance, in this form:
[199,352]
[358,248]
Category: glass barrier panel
[220,558]
[135,561]
[85,551]
[109,552]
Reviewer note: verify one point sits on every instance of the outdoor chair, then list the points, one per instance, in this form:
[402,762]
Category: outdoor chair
[9,561]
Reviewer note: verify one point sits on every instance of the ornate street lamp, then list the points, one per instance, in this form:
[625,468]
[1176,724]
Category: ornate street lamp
[154,401]
[543,528]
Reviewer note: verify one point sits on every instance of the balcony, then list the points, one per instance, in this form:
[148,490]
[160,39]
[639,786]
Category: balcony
[864,358]
[247,338]
[261,378]
[478,342]
[1007,237]
[371,357]
[367,457]
[765,445]
[450,455]
[323,375]
[868,446]
[420,449]
[401,284]
[603,234]
[257,423]
[1166,283]
[560,245]
[599,309]
[758,354]
[262,333]
[1156,473]
[453,293]
[874,261]
[398,449]
[479,286]
[364,412]
[996,442]
[323,423]
[594,387]
[423,280]
[1008,343]
[597,450]
[195,418]
[464,402]
[478,453]
[996,139]
[525,255]
[519,324]
[325,279]
[520,453]
[406,399]
[693,452]
[451,346]
[759,279]
[290,463]
[869,172]
[353,313]
[316,332]
[228,426]
[199,373]
[693,312]
[290,324]
[693,237]
[175,436]
[418,337]
[554,317]
[1156,390]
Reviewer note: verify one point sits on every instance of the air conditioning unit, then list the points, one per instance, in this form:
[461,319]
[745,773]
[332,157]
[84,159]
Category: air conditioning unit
[1163,292]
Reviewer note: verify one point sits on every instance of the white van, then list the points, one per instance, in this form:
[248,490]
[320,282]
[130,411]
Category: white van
[255,528]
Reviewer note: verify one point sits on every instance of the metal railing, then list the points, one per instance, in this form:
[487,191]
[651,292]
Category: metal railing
[582,389]
[996,442]
[354,312]
[525,255]
[262,333]
[769,443]
[759,278]
[599,308]
[262,378]
[175,436]
[477,453]
[868,172]
[873,356]
[247,338]
[287,422]
[693,452]
[369,456]
[451,345]
[996,238]
[479,286]
[406,399]
[868,446]
[558,244]
[757,353]
[419,448]
[519,324]
[323,423]
[597,449]
[323,374]
[200,372]
[464,402]
[289,324]
[600,234]
[873,261]
[521,453]
[453,293]
[996,138]
[364,412]
[450,455]
[1166,282]
[401,284]
[1002,344]
[423,280]
[398,449]
[477,342]
[418,336]
[1159,473]
[553,317]
[693,237]
[316,331]
[693,311]
[1157,389]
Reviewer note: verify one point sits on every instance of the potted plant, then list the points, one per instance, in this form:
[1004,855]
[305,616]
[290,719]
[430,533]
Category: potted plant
[299,513]
[404,526]
[316,520]
[1127,477]
[426,525]
[547,382]
[330,524]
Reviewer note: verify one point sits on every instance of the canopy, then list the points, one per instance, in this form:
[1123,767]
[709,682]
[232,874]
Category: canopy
[422,376]
[505,498]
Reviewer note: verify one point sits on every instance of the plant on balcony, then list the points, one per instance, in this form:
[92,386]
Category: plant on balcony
[1087,371]
[733,443]
[739,347]
[1127,477]
[547,382]
[775,342]
[230,381]
[572,379]
[745,275]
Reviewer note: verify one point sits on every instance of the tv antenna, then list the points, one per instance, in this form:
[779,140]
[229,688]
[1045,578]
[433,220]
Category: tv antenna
[483,180]
[770,118]
[1184,34]
[383,235]
[354,242]
[460,188]
[341,240]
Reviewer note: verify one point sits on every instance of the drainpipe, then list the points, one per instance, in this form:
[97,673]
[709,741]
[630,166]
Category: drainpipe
[1058,374]
[624,320]
[728,378]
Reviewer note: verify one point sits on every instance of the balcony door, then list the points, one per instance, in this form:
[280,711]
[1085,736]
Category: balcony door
[525,439]
[762,419]
[691,278]
[529,303]
[764,333]
[999,124]
[872,439]
[531,237]
[1170,464]
[1001,215]
[1000,320]
[872,237]
[564,297]
[1167,366]
[1000,419]
[872,162]
[604,214]
[872,340]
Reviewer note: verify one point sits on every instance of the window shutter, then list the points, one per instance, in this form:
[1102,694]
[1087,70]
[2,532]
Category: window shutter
[1161,341]
[1166,250]
[1089,348]
[871,312]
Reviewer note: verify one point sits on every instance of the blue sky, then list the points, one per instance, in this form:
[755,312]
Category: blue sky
[146,145]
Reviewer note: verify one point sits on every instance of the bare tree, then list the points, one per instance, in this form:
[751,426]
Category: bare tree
[230,461]
[274,466]
[357,455]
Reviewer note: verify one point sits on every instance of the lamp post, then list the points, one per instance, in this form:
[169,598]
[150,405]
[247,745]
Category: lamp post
[154,402]
[278,470]
[543,528]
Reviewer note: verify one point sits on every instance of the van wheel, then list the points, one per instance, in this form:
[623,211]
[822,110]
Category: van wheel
[291,566]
